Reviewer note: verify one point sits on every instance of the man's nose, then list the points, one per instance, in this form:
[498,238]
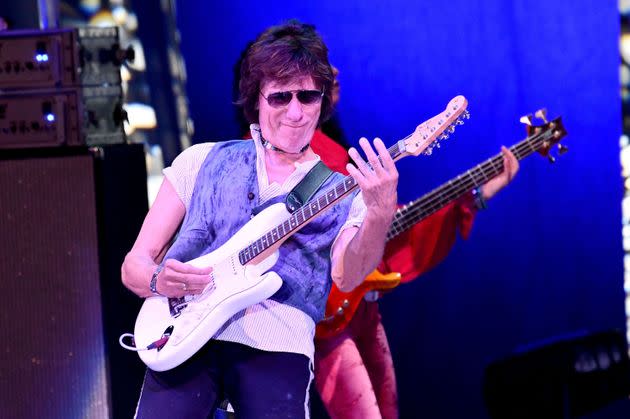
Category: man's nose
[294,109]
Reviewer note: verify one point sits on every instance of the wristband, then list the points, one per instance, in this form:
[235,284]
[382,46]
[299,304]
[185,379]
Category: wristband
[153,283]
[480,202]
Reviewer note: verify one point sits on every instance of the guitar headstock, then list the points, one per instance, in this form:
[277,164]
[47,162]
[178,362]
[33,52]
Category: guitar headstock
[428,135]
[545,135]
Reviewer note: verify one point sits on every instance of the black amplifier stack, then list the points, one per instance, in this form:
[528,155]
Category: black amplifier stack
[73,194]
[61,87]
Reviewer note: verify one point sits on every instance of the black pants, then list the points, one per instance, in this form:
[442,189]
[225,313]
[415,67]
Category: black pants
[258,384]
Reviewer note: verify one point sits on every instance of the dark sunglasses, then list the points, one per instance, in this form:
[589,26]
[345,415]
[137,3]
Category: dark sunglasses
[306,97]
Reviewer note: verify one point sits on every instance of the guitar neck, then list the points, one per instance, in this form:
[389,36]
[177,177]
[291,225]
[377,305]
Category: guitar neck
[307,212]
[431,202]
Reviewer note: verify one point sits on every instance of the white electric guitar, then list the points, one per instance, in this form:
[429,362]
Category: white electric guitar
[168,331]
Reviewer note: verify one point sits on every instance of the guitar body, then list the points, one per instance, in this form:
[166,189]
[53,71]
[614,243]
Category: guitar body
[341,306]
[235,288]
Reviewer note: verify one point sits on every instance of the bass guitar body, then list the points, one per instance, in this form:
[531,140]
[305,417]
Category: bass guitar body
[341,306]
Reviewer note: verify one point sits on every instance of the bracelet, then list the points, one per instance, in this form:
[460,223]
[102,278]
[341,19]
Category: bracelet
[153,283]
[480,202]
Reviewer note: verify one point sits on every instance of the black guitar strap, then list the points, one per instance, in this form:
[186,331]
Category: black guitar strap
[304,190]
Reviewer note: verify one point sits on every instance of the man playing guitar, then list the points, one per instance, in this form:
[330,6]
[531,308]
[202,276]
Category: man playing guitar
[261,358]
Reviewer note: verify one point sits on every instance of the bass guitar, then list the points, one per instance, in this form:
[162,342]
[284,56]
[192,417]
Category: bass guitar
[169,331]
[341,306]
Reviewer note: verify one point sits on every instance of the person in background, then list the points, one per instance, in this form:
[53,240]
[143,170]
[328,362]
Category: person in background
[354,370]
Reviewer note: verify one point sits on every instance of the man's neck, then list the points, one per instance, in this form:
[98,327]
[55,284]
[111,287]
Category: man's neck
[280,165]
[269,146]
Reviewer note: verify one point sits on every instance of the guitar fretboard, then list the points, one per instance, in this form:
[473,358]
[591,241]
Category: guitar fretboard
[306,212]
[426,205]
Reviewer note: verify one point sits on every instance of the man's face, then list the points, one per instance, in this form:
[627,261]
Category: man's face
[289,127]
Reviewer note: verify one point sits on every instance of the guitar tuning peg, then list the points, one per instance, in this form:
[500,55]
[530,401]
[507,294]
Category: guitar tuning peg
[551,158]
[458,121]
[526,119]
[562,149]
[451,129]
[541,114]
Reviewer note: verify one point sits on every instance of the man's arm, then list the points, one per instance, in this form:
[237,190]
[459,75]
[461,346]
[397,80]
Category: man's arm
[158,229]
[358,251]
[428,242]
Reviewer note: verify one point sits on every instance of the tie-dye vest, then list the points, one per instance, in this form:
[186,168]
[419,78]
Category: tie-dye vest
[223,199]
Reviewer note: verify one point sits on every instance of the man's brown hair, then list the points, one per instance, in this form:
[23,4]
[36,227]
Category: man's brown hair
[280,54]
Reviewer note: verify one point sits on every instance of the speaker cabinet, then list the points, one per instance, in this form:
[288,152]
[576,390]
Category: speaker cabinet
[68,215]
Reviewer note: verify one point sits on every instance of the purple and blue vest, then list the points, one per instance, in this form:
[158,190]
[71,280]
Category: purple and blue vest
[224,198]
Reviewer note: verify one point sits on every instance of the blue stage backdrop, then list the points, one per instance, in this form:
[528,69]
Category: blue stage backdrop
[545,259]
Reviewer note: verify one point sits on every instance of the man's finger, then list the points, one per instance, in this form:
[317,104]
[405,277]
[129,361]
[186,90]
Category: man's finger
[383,152]
[361,165]
[376,165]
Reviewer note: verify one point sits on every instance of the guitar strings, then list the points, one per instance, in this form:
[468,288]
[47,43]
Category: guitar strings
[436,199]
